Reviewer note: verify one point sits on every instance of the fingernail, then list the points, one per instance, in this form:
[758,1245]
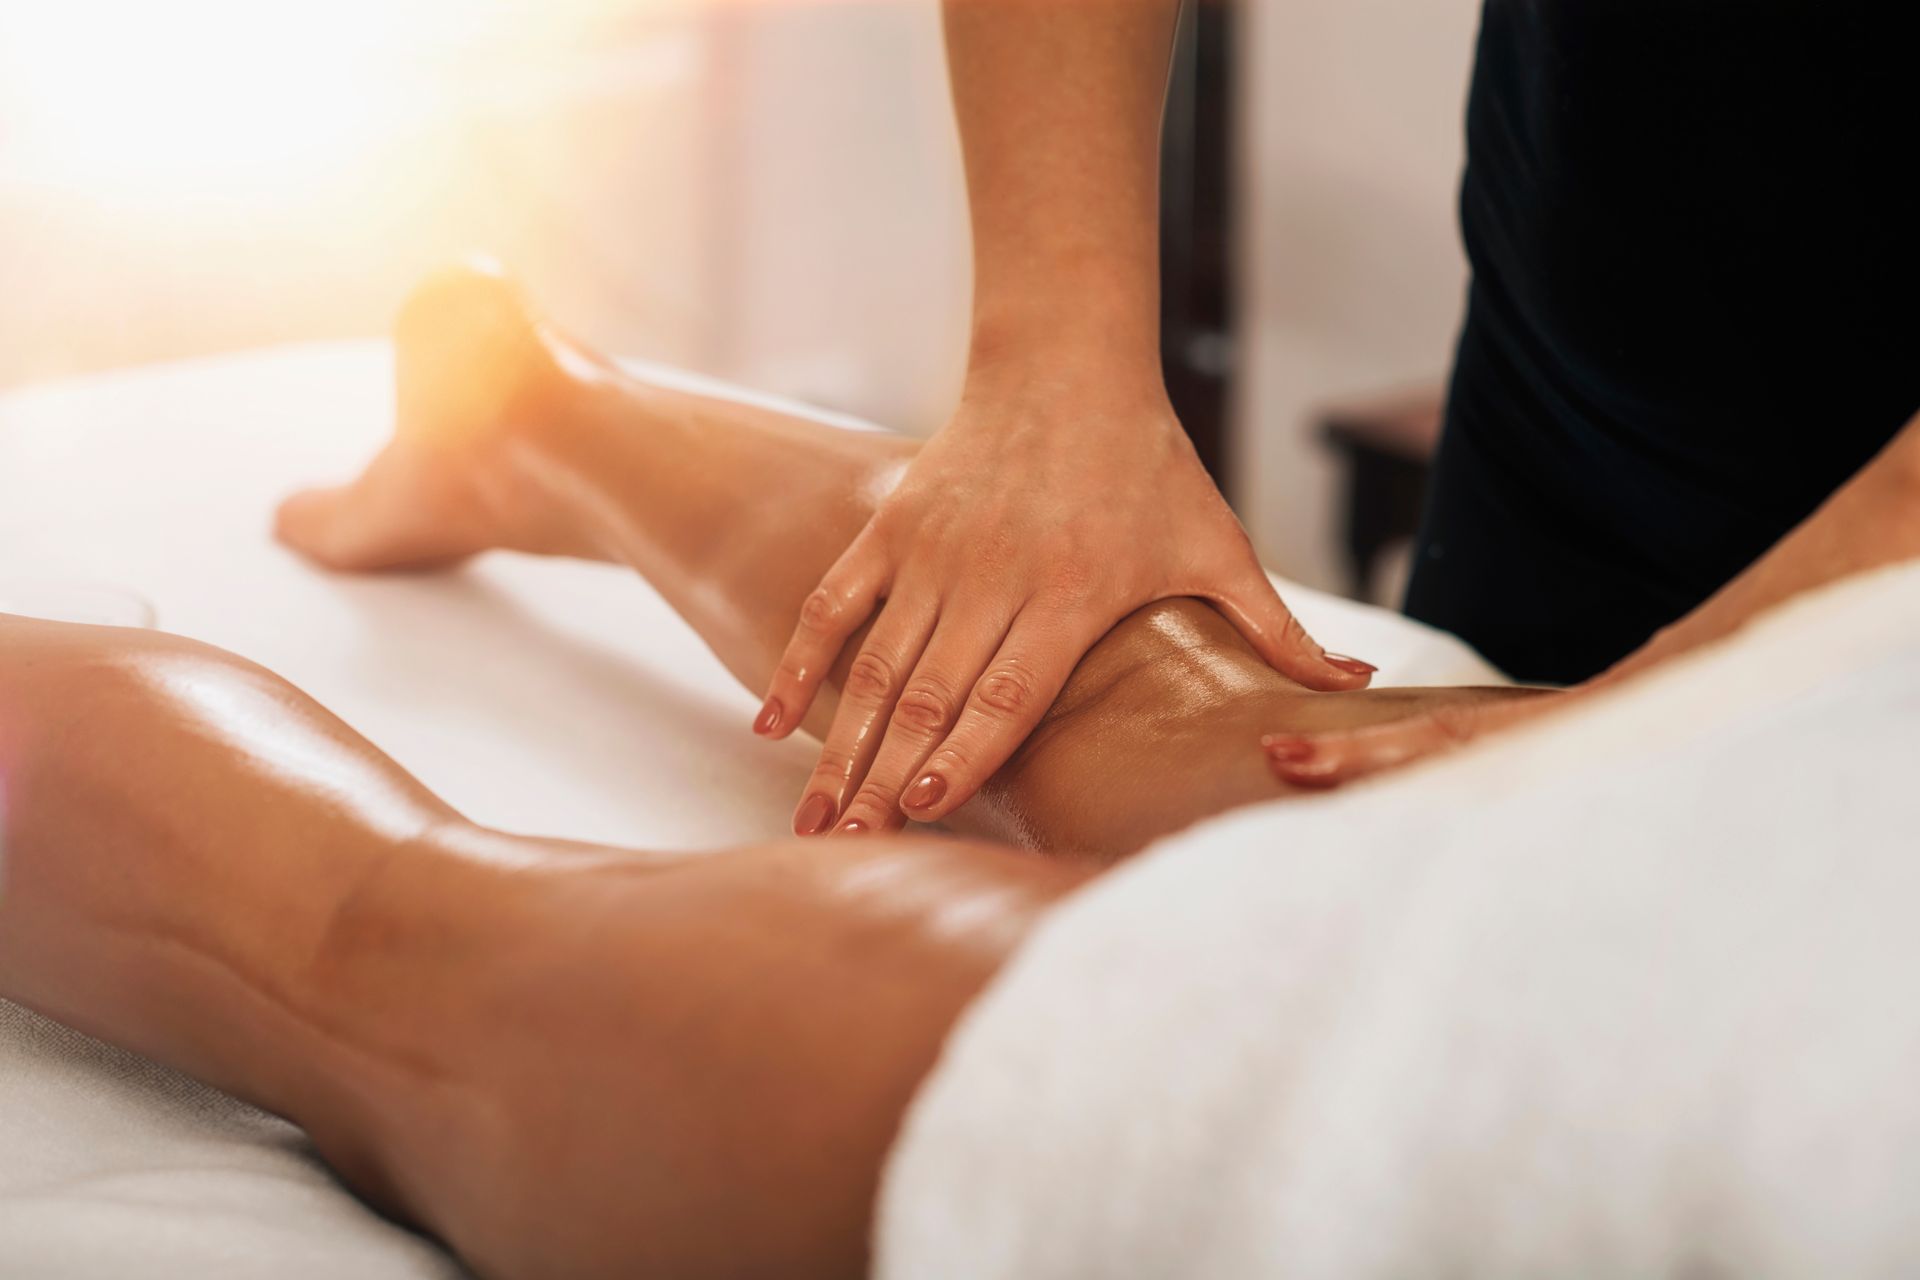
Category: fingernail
[854,827]
[1352,666]
[769,718]
[1283,749]
[926,793]
[814,815]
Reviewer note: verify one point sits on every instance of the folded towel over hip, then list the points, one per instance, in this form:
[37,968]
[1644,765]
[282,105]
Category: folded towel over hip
[1635,991]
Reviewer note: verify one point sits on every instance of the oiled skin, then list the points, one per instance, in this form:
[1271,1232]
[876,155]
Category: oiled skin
[563,1060]
[510,435]
[568,1060]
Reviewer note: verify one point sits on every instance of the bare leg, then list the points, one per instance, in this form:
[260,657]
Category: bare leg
[508,435]
[733,513]
[562,1059]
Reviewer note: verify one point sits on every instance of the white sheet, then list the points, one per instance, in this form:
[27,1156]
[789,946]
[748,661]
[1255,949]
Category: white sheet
[1635,993]
[552,697]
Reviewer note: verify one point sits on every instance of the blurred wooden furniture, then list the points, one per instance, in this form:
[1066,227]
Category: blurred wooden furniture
[1385,445]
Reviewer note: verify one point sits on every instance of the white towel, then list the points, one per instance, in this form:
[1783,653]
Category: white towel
[1635,992]
[112,1166]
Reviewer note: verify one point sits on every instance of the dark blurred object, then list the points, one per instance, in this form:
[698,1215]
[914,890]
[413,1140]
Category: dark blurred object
[1385,445]
[1197,338]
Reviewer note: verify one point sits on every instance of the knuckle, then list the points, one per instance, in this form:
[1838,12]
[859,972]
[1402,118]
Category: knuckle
[874,804]
[889,516]
[832,770]
[1006,691]
[1073,576]
[870,676]
[996,547]
[822,611]
[1346,757]
[953,762]
[1454,724]
[1292,634]
[925,707]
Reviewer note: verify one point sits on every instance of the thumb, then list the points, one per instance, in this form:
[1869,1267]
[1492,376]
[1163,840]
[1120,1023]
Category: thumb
[1333,759]
[1258,613]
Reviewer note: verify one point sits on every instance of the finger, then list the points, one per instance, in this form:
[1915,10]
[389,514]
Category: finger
[867,696]
[929,707]
[1326,760]
[1257,612]
[1004,706]
[837,608]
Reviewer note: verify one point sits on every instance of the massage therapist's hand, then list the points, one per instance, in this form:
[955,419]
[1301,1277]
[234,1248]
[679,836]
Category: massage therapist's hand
[1050,507]
[1871,521]
[1334,758]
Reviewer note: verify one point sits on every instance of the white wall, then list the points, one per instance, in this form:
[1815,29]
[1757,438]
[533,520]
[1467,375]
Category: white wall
[766,191]
[568,140]
[846,280]
[847,277]
[847,273]
[770,192]
[1354,276]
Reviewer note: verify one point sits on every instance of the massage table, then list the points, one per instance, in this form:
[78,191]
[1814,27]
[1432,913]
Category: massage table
[543,696]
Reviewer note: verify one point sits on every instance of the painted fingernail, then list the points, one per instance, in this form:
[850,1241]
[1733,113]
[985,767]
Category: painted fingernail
[854,827]
[814,815]
[1285,749]
[926,793]
[769,718]
[1352,666]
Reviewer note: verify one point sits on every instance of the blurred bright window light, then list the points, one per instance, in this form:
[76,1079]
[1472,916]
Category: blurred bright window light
[118,97]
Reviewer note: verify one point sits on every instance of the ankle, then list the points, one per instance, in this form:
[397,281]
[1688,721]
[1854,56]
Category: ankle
[525,482]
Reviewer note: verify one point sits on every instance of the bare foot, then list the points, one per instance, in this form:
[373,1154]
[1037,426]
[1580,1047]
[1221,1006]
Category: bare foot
[471,364]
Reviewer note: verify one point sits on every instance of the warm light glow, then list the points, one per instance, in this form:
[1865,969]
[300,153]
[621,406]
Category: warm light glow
[130,96]
[201,97]
[181,176]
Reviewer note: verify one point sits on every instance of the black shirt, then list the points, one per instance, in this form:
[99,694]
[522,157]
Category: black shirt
[1695,309]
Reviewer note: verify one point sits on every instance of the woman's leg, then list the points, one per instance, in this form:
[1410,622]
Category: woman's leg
[508,435]
[564,1060]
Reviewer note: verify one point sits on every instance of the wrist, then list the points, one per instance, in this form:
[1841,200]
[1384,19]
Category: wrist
[1093,367]
[530,484]
[1053,387]
[1085,319]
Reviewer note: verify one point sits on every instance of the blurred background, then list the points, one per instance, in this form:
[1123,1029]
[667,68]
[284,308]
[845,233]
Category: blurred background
[765,190]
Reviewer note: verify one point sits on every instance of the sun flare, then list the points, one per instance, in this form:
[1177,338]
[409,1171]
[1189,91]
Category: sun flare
[197,96]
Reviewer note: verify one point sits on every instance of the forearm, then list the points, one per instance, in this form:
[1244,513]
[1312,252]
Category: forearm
[1059,105]
[1871,521]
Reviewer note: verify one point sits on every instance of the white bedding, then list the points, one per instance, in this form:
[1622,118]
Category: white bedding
[1633,993]
[544,696]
